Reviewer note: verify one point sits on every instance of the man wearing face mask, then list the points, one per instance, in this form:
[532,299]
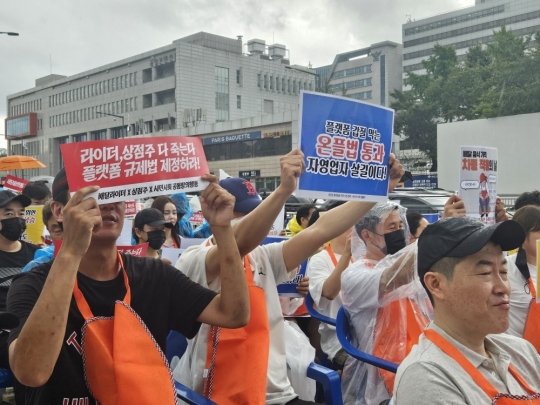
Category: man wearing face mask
[386,310]
[148,227]
[14,253]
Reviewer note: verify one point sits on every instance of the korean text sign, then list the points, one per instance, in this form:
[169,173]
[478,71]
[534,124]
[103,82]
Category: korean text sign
[346,144]
[478,181]
[127,169]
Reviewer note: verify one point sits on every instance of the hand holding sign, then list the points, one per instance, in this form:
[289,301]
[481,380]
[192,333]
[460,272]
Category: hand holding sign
[217,204]
[396,171]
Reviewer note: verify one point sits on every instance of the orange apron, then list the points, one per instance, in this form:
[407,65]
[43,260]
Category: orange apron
[237,359]
[533,398]
[532,323]
[397,328]
[123,364]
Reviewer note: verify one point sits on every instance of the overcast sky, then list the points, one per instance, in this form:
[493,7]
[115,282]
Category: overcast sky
[70,36]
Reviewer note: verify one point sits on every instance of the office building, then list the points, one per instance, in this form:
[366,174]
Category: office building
[370,74]
[177,89]
[465,28]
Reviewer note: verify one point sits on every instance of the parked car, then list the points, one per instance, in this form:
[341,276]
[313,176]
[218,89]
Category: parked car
[423,201]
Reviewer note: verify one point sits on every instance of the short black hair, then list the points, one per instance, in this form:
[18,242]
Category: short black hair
[303,211]
[37,190]
[413,220]
[527,198]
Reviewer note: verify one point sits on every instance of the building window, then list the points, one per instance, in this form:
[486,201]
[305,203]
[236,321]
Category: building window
[259,80]
[268,106]
[238,102]
[222,93]
[239,77]
[147,75]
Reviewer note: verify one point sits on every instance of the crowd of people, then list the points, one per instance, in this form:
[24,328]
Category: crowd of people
[443,300]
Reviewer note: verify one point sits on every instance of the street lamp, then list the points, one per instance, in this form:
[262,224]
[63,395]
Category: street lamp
[114,115]
[12,34]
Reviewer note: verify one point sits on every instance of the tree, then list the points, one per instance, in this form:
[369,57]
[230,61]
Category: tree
[502,78]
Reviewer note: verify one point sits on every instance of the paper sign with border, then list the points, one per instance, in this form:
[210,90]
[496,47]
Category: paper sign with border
[132,168]
[478,181]
[33,215]
[15,184]
[346,144]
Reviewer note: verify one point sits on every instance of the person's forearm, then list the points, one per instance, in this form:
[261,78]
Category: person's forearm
[34,353]
[332,284]
[251,231]
[326,228]
[399,273]
[234,296]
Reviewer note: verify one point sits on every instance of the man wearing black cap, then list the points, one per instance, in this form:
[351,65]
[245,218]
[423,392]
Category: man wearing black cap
[464,356]
[14,253]
[148,228]
[89,281]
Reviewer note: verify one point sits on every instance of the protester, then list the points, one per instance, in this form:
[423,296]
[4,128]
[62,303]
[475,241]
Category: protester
[522,273]
[463,357]
[45,254]
[149,227]
[14,253]
[378,309]
[267,266]
[527,198]
[300,220]
[324,271]
[37,191]
[185,228]
[168,209]
[145,298]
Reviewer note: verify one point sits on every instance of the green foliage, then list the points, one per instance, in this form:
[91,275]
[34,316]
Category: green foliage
[500,79]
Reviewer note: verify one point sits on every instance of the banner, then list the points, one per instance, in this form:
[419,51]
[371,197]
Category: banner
[132,168]
[478,182]
[346,144]
[133,250]
[15,184]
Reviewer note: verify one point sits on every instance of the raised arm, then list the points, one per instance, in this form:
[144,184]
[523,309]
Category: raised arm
[251,231]
[332,224]
[34,353]
[332,285]
[230,308]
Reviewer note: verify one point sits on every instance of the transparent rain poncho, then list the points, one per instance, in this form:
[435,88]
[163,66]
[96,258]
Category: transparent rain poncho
[387,306]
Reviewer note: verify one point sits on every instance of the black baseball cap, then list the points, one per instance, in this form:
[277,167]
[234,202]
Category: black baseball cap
[151,217]
[461,237]
[7,196]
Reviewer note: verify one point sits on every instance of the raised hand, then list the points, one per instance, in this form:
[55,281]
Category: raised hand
[217,204]
[500,211]
[396,172]
[292,166]
[79,218]
[454,207]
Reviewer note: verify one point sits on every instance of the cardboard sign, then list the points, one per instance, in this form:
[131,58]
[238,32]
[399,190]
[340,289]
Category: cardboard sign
[15,184]
[134,250]
[33,216]
[478,182]
[132,168]
[346,144]
[130,209]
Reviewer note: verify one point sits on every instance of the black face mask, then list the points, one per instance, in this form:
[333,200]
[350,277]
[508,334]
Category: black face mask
[12,228]
[395,241]
[156,239]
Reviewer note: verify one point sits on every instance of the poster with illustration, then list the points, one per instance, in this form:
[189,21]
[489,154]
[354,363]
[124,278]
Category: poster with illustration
[478,182]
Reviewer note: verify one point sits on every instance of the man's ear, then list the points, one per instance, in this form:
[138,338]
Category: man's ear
[436,284]
[57,209]
[365,235]
[138,232]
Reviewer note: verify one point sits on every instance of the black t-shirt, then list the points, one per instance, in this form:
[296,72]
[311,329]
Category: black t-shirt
[161,295]
[11,264]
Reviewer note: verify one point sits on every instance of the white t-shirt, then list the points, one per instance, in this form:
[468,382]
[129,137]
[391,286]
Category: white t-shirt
[319,268]
[268,270]
[520,297]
